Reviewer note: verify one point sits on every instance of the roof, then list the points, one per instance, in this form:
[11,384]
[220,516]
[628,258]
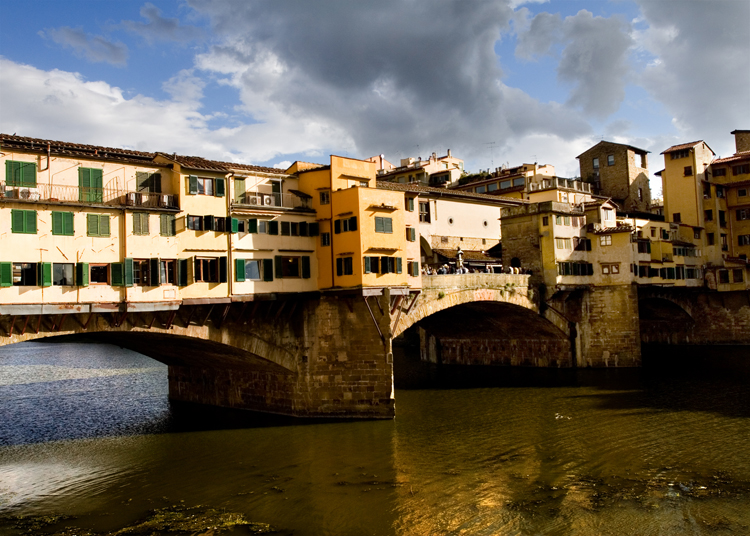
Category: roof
[416,188]
[739,131]
[250,167]
[685,146]
[636,149]
[737,157]
[468,255]
[321,167]
[61,148]
[196,162]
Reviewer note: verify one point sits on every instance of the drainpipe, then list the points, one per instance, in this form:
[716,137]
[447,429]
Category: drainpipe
[333,258]
[48,155]
[230,263]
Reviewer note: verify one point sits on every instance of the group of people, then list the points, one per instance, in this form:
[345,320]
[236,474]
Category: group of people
[449,269]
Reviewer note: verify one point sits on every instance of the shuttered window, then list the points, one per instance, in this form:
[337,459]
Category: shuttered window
[167,224]
[140,223]
[97,224]
[62,223]
[20,174]
[148,182]
[90,185]
[383,225]
[23,221]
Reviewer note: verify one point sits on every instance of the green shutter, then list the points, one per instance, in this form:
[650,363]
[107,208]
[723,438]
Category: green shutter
[96,185]
[367,265]
[239,190]
[220,183]
[84,183]
[378,224]
[137,223]
[92,224]
[142,181]
[252,225]
[313,229]
[182,272]
[6,274]
[163,225]
[234,226]
[128,273]
[17,221]
[30,221]
[306,267]
[267,270]
[399,263]
[67,218]
[279,267]
[82,274]
[223,270]
[156,182]
[57,223]
[116,270]
[239,269]
[155,272]
[388,225]
[104,225]
[353,223]
[411,204]
[273,227]
[192,185]
[12,173]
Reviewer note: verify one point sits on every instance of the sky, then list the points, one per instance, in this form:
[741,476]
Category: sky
[268,82]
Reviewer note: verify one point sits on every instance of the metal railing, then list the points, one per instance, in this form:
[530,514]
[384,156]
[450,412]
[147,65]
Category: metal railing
[271,200]
[53,193]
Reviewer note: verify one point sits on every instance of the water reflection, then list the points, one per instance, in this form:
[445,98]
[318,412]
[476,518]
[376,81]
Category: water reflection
[658,451]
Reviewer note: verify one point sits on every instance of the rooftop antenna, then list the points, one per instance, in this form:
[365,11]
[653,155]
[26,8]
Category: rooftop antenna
[492,153]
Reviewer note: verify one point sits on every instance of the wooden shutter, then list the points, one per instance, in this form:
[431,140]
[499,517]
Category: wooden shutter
[17,221]
[30,221]
[95,195]
[127,272]
[285,228]
[92,224]
[104,225]
[375,265]
[84,183]
[116,270]
[378,224]
[82,274]
[223,270]
[67,219]
[137,229]
[304,228]
[306,267]
[367,265]
[155,272]
[267,270]
[164,224]
[144,222]
[239,269]
[313,229]
[233,225]
[279,267]
[399,265]
[353,223]
[388,225]
[142,181]
[252,225]
[337,226]
[411,204]
[239,190]
[6,274]
[182,272]
[220,189]
[12,173]
[57,223]
[273,227]
[339,266]
[192,184]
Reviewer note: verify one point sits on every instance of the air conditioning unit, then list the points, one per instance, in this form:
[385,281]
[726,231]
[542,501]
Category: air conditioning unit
[268,201]
[24,194]
[253,200]
[130,199]
[164,201]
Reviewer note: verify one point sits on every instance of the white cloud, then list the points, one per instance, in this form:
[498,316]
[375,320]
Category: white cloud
[94,48]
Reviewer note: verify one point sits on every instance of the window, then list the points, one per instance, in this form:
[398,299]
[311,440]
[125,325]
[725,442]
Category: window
[344,225]
[424,211]
[383,225]
[720,172]
[411,234]
[743,214]
[412,268]
[545,221]
[677,217]
[743,240]
[566,220]
[605,240]
[640,194]
[737,275]
[708,215]
[344,266]
[610,160]
[62,223]
[206,270]
[581,244]
[285,228]
[167,272]
[724,245]
[720,193]
[679,272]
[688,171]
[325,197]
[653,233]
[595,163]
[696,233]
[562,243]
[99,274]
[676,155]
[24,274]
[481,189]
[410,204]
[141,272]
[490,188]
[23,221]
[97,224]
[287,267]
[711,238]
[140,223]
[505,184]
[610,269]
[62,274]
[20,174]
[742,192]
[248,270]
[252,270]
[195,223]
[205,186]
[643,270]
[723,276]
[609,214]
[167,224]
[147,182]
[90,185]
[741,169]
[722,218]
[575,268]
[706,190]
[325,239]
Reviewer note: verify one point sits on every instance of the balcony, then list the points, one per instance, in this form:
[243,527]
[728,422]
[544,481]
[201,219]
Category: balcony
[271,200]
[66,195]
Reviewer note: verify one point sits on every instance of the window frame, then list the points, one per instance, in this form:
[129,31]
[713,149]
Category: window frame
[94,267]
[27,220]
[67,282]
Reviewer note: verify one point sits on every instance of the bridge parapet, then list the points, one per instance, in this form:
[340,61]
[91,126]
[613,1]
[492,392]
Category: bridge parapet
[465,281]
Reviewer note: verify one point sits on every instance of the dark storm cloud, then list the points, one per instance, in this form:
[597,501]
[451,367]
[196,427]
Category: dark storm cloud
[393,75]
[593,56]
[158,28]
[702,74]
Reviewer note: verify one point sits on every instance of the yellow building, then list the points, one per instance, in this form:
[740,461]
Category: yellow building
[516,182]
[437,170]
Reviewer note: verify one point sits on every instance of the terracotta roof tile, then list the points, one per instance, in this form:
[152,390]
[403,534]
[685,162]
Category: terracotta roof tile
[745,155]
[250,167]
[196,162]
[416,188]
[681,147]
[61,148]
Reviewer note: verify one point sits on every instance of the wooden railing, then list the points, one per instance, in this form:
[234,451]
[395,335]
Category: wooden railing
[53,193]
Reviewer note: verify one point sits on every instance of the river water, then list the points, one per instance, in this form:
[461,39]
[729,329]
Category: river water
[86,431]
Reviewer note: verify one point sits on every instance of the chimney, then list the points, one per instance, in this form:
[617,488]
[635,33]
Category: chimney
[434,156]
[741,140]
[449,152]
